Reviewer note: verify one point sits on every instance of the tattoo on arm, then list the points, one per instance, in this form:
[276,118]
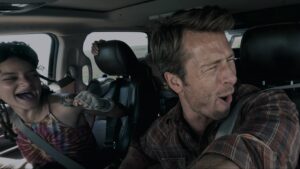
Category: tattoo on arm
[67,100]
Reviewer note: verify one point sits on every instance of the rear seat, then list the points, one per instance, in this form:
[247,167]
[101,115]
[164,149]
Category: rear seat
[133,88]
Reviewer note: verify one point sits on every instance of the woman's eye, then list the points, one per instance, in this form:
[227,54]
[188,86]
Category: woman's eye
[8,78]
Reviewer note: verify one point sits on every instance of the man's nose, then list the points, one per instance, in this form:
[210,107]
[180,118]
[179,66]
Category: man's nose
[229,73]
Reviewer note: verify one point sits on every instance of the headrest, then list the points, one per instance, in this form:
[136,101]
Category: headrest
[270,53]
[116,58]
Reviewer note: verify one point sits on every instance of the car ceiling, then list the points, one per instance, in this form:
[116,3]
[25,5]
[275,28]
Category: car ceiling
[71,16]
[165,5]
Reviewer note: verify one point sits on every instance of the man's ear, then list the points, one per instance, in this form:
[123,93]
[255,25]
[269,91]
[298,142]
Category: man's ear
[173,81]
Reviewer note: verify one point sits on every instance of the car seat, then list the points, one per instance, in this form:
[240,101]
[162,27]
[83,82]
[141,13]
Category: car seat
[270,57]
[134,89]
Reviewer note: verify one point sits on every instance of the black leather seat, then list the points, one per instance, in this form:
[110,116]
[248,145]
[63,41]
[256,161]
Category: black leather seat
[271,54]
[134,89]
[270,57]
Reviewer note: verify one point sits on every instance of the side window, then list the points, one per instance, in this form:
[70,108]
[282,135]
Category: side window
[235,37]
[40,43]
[236,41]
[138,41]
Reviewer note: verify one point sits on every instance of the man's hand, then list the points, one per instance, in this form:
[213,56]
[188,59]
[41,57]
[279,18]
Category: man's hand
[89,101]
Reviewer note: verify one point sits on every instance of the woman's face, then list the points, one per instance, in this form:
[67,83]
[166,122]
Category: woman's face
[20,85]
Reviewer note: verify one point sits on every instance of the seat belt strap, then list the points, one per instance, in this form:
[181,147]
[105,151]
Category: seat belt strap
[113,127]
[226,126]
[65,81]
[41,143]
[62,82]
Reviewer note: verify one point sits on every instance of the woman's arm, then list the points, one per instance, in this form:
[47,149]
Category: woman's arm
[98,105]
[86,100]
[68,107]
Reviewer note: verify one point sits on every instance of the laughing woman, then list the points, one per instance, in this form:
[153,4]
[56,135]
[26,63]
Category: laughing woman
[45,112]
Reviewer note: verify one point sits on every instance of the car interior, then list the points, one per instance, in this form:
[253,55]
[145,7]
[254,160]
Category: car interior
[265,40]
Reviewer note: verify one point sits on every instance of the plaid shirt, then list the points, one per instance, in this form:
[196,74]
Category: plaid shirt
[266,135]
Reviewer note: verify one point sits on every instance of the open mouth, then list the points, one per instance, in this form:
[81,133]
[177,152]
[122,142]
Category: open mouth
[227,98]
[224,98]
[25,95]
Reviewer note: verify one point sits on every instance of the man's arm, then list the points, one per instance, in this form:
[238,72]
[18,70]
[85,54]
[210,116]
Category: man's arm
[213,161]
[268,137]
[135,160]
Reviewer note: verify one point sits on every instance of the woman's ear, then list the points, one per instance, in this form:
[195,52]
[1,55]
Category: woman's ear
[173,81]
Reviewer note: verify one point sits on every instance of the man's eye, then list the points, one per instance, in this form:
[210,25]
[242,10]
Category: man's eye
[232,59]
[209,69]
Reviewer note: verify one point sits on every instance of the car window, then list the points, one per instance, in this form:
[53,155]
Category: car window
[235,37]
[138,41]
[40,43]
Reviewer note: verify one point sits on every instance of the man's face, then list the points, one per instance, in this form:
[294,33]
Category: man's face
[210,74]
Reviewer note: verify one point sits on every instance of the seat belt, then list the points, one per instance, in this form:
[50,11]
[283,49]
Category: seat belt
[62,82]
[113,125]
[50,150]
[226,126]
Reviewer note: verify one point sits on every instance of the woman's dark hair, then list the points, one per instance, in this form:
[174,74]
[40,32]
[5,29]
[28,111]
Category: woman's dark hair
[20,50]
